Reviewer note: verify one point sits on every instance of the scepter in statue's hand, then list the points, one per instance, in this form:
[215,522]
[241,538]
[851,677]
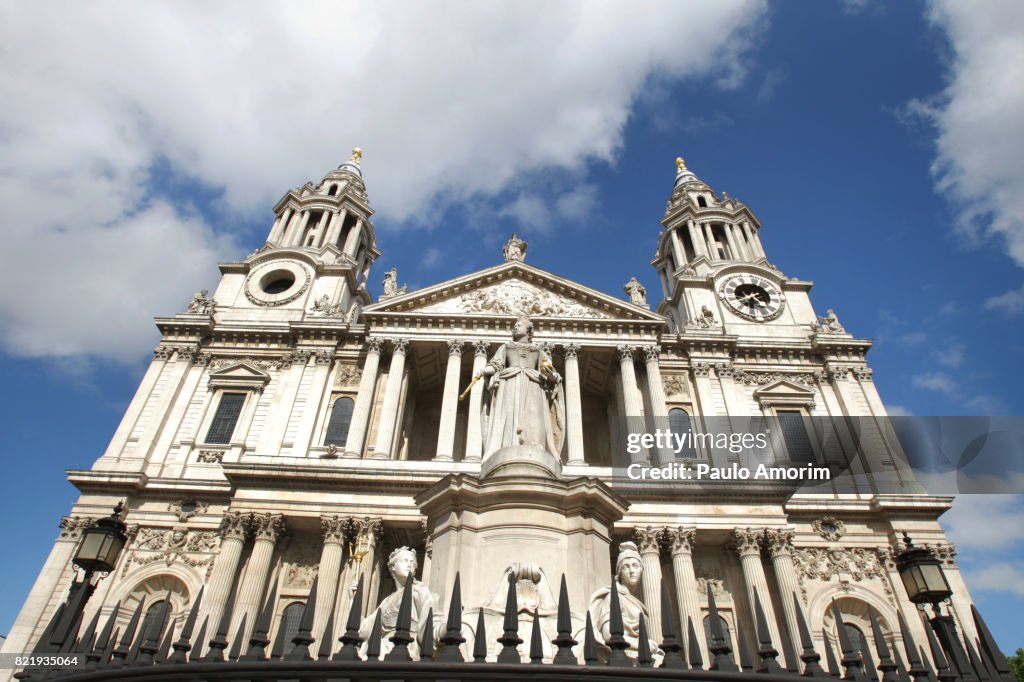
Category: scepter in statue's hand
[476,378]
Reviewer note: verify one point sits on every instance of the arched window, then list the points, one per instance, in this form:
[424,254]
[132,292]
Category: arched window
[702,202]
[153,613]
[290,618]
[725,630]
[855,636]
[341,419]
[679,424]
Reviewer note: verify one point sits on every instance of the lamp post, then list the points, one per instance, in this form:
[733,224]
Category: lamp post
[922,576]
[97,552]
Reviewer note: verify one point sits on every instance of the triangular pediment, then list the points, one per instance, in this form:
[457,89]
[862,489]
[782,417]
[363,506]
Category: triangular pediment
[783,389]
[239,375]
[513,289]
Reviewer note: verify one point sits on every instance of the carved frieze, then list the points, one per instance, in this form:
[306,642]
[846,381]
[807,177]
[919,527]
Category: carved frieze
[704,580]
[849,563]
[265,364]
[347,375]
[185,509]
[676,385]
[150,545]
[71,527]
[829,527]
[765,378]
[210,456]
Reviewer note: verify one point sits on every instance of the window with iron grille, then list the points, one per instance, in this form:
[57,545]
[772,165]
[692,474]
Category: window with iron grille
[679,423]
[338,424]
[224,420]
[290,619]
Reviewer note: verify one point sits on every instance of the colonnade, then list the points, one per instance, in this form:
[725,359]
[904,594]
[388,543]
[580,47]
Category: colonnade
[650,401]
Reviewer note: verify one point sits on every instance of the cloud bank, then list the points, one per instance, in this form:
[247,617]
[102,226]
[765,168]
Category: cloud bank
[450,101]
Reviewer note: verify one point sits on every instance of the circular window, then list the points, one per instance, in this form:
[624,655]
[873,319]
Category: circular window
[277,282]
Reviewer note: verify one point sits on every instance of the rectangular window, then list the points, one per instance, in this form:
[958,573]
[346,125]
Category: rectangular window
[794,434]
[223,425]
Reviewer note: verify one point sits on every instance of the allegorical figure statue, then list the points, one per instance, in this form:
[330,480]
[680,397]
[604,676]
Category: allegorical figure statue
[637,292]
[525,405]
[391,287]
[628,573]
[402,565]
[201,304]
[830,323]
[515,249]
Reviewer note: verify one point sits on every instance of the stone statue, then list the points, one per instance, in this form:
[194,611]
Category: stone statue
[706,319]
[830,323]
[628,572]
[515,249]
[637,292]
[525,405]
[201,304]
[391,287]
[402,565]
[323,306]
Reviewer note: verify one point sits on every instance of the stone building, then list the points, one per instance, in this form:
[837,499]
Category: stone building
[290,427]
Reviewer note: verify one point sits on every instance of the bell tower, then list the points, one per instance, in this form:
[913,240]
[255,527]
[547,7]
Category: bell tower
[714,272]
[317,256]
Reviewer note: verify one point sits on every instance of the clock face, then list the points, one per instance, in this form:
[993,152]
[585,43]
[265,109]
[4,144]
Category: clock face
[752,297]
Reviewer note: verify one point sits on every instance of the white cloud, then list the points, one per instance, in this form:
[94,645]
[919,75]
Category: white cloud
[985,522]
[431,257]
[1010,304]
[898,411]
[980,163]
[997,577]
[951,356]
[936,381]
[450,101]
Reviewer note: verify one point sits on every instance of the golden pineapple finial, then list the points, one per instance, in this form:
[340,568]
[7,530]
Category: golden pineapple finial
[357,155]
[680,164]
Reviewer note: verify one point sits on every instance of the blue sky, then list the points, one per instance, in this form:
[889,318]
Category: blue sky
[880,144]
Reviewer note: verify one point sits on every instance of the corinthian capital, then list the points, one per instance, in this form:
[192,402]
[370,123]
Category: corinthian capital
[399,346]
[234,525]
[648,540]
[335,529]
[571,350]
[651,353]
[267,526]
[746,541]
[780,542]
[681,540]
[455,347]
[625,353]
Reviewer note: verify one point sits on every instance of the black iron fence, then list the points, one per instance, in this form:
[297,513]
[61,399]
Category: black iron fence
[156,655]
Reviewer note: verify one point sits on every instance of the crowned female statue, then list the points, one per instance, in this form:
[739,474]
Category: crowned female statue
[628,573]
[525,405]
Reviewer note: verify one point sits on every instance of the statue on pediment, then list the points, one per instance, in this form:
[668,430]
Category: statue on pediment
[525,405]
[515,249]
[637,292]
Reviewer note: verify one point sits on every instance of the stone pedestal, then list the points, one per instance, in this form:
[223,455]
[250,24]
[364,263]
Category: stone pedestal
[520,513]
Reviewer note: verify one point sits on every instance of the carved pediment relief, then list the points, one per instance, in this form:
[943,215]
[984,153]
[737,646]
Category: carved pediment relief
[514,289]
[783,388]
[514,297]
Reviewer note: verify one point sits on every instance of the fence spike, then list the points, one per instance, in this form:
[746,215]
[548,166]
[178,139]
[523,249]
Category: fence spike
[674,658]
[890,671]
[163,653]
[991,649]
[236,646]
[942,670]
[277,651]
[693,646]
[916,670]
[43,645]
[810,657]
[904,675]
[183,644]
[743,653]
[94,657]
[643,650]
[427,647]
[219,642]
[616,640]
[720,650]
[853,663]
[120,654]
[260,637]
[589,642]
[373,644]
[403,636]
[564,640]
[150,639]
[452,638]
[510,639]
[327,639]
[89,635]
[765,647]
[351,640]
[304,637]
[830,656]
[480,640]
[108,653]
[536,641]
[979,667]
[870,670]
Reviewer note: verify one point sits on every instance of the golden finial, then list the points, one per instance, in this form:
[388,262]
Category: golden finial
[357,155]
[680,164]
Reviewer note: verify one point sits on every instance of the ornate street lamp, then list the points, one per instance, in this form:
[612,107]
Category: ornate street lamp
[97,552]
[922,576]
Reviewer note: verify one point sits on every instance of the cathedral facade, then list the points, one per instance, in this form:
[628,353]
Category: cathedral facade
[291,429]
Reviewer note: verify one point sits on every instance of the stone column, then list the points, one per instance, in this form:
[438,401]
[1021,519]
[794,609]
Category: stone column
[746,542]
[656,396]
[681,542]
[352,241]
[334,528]
[631,397]
[649,541]
[289,228]
[234,529]
[755,241]
[573,404]
[393,391]
[699,247]
[678,250]
[734,248]
[780,546]
[449,403]
[267,528]
[321,228]
[295,238]
[710,236]
[364,400]
[474,433]
[277,232]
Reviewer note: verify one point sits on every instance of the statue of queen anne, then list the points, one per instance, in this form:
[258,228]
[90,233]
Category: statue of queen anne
[525,405]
